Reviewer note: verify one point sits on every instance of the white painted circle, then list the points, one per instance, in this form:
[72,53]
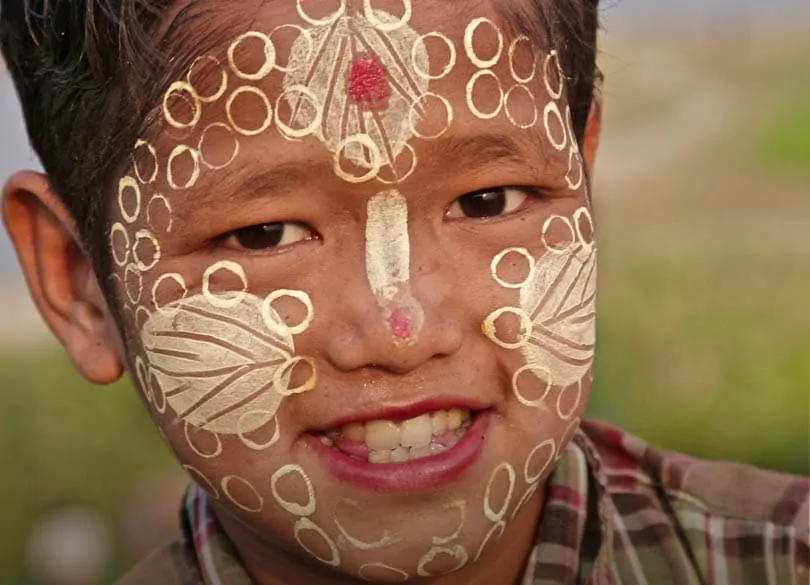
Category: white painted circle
[512,49]
[547,444]
[131,271]
[494,534]
[167,206]
[268,119]
[553,108]
[217,450]
[322,21]
[509,114]
[547,227]
[305,524]
[530,491]
[382,567]
[201,150]
[142,374]
[250,444]
[160,405]
[275,324]
[386,27]
[196,474]
[469,36]
[496,263]
[577,387]
[470,98]
[491,514]
[573,155]
[153,154]
[293,508]
[145,235]
[420,43]
[226,482]
[269,56]
[223,84]
[302,32]
[554,93]
[376,157]
[129,183]
[541,373]
[118,228]
[313,126]
[181,87]
[164,277]
[234,297]
[281,385]
[458,552]
[413,111]
[195,173]
[526,327]
[578,214]
[414,163]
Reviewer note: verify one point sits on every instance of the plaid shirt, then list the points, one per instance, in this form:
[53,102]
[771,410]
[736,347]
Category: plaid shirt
[617,513]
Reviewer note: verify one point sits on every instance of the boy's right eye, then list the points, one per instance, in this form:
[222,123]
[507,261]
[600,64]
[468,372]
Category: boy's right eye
[268,236]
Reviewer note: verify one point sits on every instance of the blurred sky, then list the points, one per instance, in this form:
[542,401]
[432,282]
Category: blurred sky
[617,14]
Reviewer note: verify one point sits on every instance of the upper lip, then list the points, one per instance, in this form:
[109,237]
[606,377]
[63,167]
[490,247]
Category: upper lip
[401,412]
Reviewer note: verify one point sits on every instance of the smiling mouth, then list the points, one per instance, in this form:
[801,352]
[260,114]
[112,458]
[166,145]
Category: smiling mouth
[384,441]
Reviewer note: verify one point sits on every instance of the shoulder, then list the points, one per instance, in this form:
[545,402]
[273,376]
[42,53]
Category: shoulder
[163,566]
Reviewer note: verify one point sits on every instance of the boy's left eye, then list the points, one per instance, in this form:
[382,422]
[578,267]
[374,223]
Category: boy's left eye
[487,203]
[266,236]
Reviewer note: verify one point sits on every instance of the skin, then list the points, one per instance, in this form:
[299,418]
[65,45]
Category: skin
[346,357]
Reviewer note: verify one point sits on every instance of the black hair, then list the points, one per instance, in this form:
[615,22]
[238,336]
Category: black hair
[89,73]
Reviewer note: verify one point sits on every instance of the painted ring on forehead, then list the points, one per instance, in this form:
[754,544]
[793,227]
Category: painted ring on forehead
[272,319]
[201,149]
[373,19]
[553,108]
[125,183]
[530,491]
[142,235]
[491,514]
[420,44]
[578,214]
[223,84]
[199,478]
[180,87]
[461,505]
[554,93]
[167,208]
[302,33]
[413,111]
[281,377]
[549,445]
[512,49]
[153,153]
[494,534]
[496,264]
[133,277]
[490,330]
[180,150]
[512,118]
[205,455]
[322,21]
[268,119]
[541,373]
[567,414]
[269,56]
[233,298]
[293,508]
[471,100]
[163,278]
[390,572]
[262,415]
[458,552]
[287,130]
[374,151]
[226,488]
[564,249]
[307,525]
[469,38]
[397,178]
[118,229]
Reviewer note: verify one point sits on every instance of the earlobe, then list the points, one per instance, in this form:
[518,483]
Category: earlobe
[60,276]
[593,130]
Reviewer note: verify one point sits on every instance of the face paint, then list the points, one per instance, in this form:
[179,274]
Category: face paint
[388,259]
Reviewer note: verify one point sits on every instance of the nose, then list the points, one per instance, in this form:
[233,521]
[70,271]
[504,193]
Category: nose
[398,313]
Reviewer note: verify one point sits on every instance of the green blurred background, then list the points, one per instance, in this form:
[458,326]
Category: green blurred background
[703,202]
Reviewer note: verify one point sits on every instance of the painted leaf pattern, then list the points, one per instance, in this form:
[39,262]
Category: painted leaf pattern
[216,365]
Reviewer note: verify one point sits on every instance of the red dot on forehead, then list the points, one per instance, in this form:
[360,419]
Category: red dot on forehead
[368,83]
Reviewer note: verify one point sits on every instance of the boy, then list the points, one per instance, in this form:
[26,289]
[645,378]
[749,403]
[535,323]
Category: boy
[345,250]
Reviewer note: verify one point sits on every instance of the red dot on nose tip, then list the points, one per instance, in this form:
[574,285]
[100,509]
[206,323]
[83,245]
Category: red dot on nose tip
[401,324]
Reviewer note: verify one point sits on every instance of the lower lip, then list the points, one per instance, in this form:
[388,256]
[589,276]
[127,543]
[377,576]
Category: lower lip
[420,474]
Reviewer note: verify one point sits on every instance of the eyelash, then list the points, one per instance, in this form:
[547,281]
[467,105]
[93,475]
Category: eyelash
[497,207]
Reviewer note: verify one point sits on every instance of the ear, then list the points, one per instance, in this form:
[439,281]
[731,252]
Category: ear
[60,276]
[593,129]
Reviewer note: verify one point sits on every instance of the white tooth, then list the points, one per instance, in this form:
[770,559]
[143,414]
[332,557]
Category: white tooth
[327,441]
[382,435]
[379,457]
[416,432]
[420,452]
[454,419]
[355,432]
[435,448]
[399,455]
[439,422]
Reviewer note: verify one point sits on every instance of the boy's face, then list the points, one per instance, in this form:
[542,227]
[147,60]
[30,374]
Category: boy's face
[357,268]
